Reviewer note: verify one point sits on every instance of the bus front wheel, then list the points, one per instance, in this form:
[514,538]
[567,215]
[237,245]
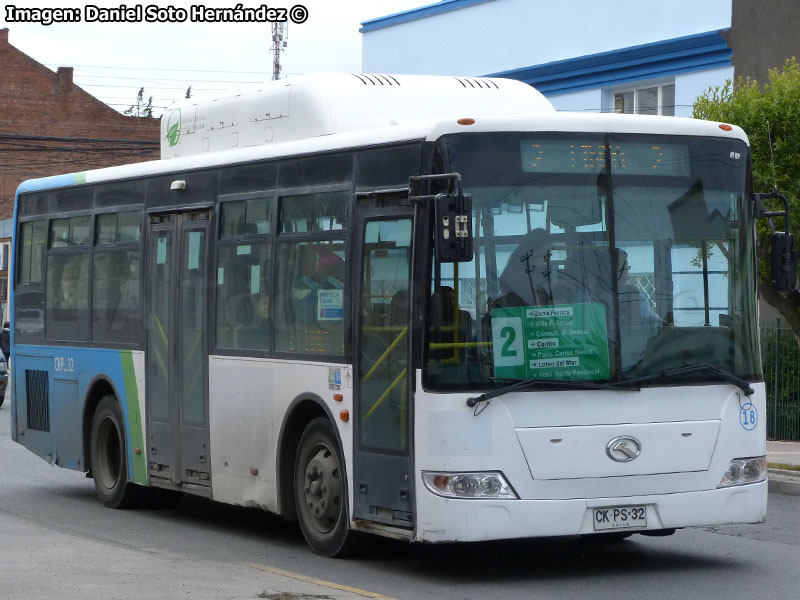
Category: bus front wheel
[109,456]
[319,491]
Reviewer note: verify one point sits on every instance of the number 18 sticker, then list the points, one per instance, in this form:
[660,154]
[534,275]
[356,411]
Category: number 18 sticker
[748,416]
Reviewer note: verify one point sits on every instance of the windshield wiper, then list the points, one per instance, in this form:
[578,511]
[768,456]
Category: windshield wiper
[677,372]
[551,383]
[627,385]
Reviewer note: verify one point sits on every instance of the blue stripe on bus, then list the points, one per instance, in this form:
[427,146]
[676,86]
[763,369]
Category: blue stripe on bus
[46,183]
[78,366]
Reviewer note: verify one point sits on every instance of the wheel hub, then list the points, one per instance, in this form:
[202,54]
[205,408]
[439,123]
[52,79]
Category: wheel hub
[322,489]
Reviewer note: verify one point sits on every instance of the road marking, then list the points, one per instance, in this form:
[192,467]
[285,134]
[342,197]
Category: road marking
[307,579]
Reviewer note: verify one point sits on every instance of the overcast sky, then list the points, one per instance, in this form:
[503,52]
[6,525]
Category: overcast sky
[113,60]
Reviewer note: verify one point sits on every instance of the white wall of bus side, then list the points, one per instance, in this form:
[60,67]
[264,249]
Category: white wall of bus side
[248,403]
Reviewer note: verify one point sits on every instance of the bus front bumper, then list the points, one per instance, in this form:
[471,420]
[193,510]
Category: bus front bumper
[467,520]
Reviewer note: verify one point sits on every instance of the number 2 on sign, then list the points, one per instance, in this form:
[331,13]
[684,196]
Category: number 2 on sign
[509,334]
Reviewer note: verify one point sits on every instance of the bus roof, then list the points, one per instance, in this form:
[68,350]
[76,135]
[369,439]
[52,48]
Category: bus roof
[524,110]
[326,104]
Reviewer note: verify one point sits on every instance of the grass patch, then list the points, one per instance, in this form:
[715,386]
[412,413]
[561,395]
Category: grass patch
[783,466]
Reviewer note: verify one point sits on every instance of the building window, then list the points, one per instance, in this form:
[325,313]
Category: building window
[651,100]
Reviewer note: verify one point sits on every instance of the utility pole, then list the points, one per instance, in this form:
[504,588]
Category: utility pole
[280,35]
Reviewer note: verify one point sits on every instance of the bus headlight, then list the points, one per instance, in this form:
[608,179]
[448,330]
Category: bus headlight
[745,470]
[489,484]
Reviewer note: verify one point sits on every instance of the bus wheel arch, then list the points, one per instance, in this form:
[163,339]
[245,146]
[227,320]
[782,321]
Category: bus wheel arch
[106,447]
[302,410]
[308,418]
[320,490]
[98,389]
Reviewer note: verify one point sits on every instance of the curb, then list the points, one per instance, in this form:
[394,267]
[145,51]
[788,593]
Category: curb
[784,482]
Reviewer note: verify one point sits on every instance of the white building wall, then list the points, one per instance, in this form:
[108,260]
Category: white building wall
[585,101]
[500,35]
[688,87]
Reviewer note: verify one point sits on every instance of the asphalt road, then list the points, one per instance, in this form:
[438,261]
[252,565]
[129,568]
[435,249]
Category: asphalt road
[58,541]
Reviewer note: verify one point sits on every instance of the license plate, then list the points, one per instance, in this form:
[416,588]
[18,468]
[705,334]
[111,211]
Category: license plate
[619,517]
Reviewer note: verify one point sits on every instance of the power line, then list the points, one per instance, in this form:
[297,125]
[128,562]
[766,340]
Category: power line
[137,87]
[173,79]
[158,69]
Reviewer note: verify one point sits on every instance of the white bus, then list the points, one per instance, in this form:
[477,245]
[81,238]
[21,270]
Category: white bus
[430,308]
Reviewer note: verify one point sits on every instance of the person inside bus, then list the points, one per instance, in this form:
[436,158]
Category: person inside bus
[330,269]
[445,330]
[304,287]
[525,280]
[71,291]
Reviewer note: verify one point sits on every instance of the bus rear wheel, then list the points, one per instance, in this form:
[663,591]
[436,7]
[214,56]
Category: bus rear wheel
[108,452]
[320,492]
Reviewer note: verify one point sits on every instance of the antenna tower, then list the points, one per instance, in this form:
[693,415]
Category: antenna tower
[280,35]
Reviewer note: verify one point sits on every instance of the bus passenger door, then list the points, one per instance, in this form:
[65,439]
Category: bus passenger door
[177,382]
[382,470]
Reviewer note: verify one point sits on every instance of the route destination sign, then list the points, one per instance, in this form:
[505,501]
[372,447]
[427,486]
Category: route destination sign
[568,341]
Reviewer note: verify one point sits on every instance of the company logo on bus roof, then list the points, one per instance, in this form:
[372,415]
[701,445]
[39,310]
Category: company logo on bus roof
[174,127]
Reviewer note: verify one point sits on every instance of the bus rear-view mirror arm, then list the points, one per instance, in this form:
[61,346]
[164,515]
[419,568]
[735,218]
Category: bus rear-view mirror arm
[452,215]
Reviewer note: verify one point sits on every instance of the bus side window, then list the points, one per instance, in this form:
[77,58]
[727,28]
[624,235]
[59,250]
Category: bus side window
[67,298]
[309,314]
[116,315]
[243,297]
[29,297]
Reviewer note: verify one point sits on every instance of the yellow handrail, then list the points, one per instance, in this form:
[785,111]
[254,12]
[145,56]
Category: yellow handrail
[383,397]
[161,329]
[446,345]
[386,354]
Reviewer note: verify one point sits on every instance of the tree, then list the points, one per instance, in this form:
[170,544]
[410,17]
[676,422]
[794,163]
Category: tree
[770,115]
[141,108]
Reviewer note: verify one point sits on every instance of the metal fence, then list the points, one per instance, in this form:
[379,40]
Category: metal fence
[780,358]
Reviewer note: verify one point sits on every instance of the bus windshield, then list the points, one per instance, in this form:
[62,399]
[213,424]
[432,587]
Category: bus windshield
[596,258]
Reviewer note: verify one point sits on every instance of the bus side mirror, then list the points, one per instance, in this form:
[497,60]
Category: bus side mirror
[782,252]
[783,261]
[453,215]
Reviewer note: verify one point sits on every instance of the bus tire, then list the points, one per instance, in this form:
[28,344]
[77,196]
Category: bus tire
[320,491]
[108,452]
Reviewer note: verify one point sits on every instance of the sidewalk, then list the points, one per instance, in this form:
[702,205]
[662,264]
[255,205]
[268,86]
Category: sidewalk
[40,562]
[780,480]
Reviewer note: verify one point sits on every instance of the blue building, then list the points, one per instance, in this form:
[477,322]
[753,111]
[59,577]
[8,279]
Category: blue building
[627,56]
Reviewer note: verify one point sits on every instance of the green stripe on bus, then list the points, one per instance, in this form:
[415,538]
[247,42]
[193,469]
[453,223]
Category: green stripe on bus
[80,178]
[135,434]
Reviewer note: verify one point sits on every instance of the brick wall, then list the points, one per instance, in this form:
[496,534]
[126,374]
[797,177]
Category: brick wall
[50,126]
